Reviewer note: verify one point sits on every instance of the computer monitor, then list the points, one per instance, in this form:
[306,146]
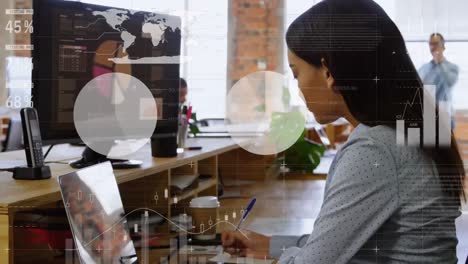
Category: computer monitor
[76,42]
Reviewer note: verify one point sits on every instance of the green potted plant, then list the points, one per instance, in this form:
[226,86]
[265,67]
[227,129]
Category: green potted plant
[304,155]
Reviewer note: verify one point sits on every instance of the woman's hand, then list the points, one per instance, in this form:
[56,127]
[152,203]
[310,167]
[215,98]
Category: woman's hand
[246,244]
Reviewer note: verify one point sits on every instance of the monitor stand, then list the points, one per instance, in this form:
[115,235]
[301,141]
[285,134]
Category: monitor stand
[90,157]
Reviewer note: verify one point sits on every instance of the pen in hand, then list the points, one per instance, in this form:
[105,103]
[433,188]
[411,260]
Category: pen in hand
[244,216]
[246,213]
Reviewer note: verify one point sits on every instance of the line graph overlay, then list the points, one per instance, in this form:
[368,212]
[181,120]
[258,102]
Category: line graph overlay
[417,95]
[182,229]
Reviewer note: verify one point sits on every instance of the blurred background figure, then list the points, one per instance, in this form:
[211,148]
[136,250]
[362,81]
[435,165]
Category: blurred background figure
[186,109]
[183,91]
[440,72]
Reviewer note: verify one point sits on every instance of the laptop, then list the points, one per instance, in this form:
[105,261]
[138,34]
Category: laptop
[97,219]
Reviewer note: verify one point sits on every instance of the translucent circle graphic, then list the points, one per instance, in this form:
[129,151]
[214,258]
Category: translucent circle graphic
[115,114]
[263,115]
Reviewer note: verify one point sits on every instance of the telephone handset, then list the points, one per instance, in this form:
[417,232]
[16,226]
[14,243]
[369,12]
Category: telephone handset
[32,138]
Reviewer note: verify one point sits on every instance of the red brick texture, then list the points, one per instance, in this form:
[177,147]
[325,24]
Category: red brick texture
[256,37]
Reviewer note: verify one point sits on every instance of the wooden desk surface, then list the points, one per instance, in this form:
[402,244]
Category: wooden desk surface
[22,194]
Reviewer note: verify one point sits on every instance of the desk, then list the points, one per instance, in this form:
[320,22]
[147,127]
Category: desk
[137,186]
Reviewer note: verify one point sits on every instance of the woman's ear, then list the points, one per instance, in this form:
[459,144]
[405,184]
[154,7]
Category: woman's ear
[331,82]
[328,76]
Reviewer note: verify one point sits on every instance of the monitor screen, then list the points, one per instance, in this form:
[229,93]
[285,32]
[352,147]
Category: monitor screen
[96,215]
[75,43]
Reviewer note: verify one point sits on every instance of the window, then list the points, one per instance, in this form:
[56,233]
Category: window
[417,19]
[204,43]
[207,53]
[456,53]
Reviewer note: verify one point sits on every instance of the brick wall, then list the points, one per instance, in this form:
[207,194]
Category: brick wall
[256,29]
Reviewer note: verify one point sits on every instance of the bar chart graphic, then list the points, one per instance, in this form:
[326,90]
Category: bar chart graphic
[436,123]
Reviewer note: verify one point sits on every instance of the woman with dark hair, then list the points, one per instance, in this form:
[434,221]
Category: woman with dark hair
[383,202]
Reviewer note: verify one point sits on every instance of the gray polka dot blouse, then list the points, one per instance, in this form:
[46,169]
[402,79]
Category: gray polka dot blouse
[383,203]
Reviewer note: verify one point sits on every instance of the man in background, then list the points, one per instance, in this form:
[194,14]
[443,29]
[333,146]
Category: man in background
[183,91]
[440,72]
